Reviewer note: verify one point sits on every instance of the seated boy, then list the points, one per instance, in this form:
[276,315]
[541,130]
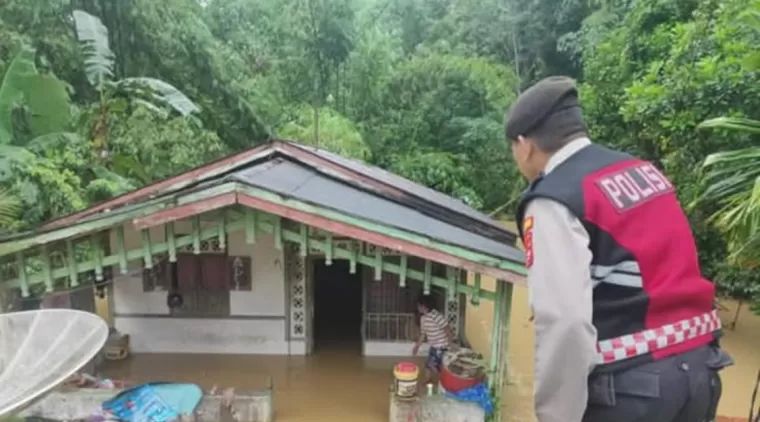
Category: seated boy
[436,331]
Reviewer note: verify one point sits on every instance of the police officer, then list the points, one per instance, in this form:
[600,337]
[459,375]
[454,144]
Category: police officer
[625,324]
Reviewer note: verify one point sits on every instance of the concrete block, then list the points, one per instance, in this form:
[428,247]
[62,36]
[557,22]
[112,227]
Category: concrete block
[434,409]
[73,404]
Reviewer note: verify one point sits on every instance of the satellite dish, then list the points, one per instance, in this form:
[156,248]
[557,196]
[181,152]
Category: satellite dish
[40,349]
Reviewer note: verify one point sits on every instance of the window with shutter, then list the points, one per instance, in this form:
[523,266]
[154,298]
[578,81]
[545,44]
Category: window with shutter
[203,282]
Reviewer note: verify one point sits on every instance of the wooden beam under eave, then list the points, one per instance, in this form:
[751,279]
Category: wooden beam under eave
[510,266]
[399,245]
[268,224]
[184,211]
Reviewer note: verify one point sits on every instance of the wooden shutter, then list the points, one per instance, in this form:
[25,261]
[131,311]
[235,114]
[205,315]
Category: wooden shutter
[188,266]
[214,273]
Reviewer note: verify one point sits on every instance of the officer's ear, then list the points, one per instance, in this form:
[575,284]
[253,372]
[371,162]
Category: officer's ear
[526,144]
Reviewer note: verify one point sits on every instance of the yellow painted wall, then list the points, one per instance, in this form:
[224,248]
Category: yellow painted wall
[517,401]
[103,310]
[743,344]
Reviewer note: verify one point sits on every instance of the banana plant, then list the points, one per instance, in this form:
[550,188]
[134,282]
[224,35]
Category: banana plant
[152,93]
[9,207]
[12,90]
[41,98]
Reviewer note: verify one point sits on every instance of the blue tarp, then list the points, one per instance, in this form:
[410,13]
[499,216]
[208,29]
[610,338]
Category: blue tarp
[478,394]
[155,402]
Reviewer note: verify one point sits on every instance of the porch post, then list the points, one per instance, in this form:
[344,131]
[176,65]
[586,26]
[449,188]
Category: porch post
[496,335]
[506,322]
[452,311]
[296,284]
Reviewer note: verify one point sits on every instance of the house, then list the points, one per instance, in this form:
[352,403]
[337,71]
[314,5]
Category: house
[270,251]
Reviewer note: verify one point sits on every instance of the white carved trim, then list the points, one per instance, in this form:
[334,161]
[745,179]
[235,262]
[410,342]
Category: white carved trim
[297,283]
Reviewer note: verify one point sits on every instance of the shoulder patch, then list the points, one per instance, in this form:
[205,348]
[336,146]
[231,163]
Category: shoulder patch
[528,240]
[527,224]
[634,185]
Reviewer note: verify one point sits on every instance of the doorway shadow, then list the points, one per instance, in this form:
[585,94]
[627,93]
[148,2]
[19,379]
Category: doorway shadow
[337,307]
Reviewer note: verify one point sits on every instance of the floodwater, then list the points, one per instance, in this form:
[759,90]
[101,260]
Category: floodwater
[335,385]
[743,344]
[339,385]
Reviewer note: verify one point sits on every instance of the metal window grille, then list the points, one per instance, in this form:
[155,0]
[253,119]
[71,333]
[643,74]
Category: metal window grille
[401,327]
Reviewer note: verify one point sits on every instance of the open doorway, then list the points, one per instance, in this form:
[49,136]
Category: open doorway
[337,306]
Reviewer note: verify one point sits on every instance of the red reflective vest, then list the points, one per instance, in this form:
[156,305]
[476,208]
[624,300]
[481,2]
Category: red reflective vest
[650,299]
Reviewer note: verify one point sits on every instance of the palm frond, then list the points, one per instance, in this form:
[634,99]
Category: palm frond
[752,153]
[729,175]
[732,123]
[93,39]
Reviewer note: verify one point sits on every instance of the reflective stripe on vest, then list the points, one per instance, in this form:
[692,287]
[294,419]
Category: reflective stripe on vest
[626,273]
[647,341]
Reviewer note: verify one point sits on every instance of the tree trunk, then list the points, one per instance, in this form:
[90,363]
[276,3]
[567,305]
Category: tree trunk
[736,314]
[316,126]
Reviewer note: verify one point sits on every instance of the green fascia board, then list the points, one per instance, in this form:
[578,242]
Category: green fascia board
[269,224]
[457,251]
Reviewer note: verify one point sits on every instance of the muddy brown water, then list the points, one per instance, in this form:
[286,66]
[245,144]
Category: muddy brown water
[334,385]
[337,384]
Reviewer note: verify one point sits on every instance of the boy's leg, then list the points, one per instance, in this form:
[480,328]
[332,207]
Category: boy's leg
[433,366]
[427,376]
[441,353]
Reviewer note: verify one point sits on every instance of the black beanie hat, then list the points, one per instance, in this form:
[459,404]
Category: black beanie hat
[550,107]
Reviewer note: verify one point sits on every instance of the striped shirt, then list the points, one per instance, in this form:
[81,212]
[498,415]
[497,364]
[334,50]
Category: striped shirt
[433,326]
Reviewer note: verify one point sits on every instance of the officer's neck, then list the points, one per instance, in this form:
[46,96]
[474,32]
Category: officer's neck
[573,145]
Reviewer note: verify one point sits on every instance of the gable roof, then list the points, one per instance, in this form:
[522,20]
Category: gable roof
[324,179]
[406,185]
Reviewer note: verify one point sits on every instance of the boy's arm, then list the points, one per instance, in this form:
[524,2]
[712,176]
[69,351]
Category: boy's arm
[449,334]
[418,343]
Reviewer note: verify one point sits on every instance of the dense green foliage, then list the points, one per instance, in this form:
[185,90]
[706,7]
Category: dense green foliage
[98,97]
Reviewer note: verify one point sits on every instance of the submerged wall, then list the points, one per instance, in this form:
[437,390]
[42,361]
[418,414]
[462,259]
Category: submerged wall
[258,318]
[433,409]
[80,404]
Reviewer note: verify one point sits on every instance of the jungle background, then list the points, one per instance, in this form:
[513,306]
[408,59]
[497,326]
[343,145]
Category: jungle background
[99,97]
